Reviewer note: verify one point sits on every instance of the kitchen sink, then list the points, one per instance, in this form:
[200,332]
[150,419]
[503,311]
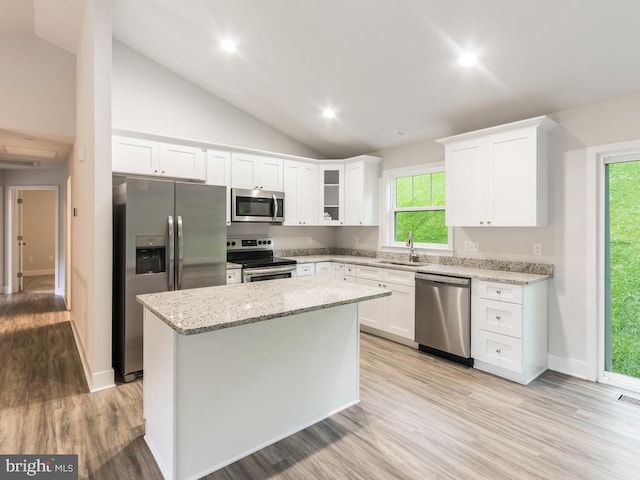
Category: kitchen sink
[404,263]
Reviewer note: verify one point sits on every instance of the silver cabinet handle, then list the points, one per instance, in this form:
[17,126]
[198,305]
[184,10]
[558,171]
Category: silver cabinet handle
[498,317]
[481,222]
[498,292]
[498,350]
[488,222]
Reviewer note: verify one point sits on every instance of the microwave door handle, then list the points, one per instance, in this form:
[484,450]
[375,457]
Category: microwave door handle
[180,253]
[170,253]
[275,208]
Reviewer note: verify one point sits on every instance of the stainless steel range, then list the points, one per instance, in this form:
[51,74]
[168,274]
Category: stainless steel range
[255,254]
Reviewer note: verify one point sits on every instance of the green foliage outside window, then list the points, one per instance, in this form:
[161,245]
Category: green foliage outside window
[419,208]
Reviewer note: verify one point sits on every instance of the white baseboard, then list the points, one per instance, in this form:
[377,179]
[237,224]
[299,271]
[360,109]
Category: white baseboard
[5,289]
[96,381]
[36,273]
[568,366]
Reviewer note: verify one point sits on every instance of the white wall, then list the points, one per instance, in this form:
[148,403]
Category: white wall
[41,80]
[90,170]
[37,177]
[149,98]
[563,241]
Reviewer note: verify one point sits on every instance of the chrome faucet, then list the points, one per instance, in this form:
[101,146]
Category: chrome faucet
[412,253]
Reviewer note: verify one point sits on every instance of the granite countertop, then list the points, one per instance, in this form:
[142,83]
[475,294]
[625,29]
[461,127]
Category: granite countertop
[502,276]
[202,310]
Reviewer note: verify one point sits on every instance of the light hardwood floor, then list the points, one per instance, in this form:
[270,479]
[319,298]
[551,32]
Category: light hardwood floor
[419,417]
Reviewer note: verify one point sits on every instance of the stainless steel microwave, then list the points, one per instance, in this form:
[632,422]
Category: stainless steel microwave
[257,206]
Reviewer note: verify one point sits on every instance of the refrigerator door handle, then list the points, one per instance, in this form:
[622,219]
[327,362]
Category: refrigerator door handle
[180,246]
[171,259]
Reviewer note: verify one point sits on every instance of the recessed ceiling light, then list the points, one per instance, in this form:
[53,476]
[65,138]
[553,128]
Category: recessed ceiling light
[228,45]
[329,113]
[467,59]
[401,132]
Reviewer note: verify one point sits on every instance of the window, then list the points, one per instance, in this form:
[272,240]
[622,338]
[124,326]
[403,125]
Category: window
[416,203]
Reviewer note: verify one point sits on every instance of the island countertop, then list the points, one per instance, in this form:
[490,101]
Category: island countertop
[201,310]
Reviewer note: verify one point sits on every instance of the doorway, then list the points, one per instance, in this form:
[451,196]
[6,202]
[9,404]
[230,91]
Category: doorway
[34,239]
[622,268]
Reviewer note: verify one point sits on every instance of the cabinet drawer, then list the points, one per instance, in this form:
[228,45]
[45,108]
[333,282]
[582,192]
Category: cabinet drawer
[305,269]
[504,292]
[372,273]
[400,277]
[499,317]
[350,270]
[234,276]
[499,350]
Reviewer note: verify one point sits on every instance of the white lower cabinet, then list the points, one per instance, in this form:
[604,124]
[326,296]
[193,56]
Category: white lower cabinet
[234,276]
[509,329]
[394,315]
[330,270]
[305,269]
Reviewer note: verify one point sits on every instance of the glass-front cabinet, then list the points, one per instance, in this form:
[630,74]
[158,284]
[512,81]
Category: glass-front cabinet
[331,193]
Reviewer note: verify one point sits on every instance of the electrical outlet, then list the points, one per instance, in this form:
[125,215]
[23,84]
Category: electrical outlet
[51,258]
[537,249]
[309,241]
[470,246]
[356,241]
[29,259]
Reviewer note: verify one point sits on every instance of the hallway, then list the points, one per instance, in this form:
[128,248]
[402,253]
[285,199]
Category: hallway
[45,405]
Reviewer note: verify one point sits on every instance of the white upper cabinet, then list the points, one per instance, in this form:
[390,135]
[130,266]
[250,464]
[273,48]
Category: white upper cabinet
[181,161]
[252,171]
[361,202]
[300,193]
[498,176]
[219,173]
[331,193]
[146,157]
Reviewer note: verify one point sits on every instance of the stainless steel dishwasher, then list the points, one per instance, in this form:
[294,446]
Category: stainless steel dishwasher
[443,316]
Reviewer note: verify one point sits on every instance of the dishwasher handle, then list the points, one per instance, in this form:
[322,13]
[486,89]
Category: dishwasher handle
[463,282]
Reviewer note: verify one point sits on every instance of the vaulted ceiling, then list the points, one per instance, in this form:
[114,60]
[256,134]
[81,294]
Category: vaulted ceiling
[388,69]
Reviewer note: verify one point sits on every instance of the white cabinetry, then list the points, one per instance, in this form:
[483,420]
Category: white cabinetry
[330,270]
[361,202]
[234,275]
[219,173]
[394,315]
[509,329]
[147,157]
[252,171]
[331,193]
[305,269]
[498,176]
[300,193]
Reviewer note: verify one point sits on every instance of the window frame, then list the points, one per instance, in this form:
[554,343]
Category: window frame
[389,208]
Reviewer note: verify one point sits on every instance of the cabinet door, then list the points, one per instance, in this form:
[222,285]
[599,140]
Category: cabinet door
[219,173]
[323,269]
[270,175]
[400,310]
[300,193]
[372,312]
[244,170]
[354,193]
[466,183]
[132,155]
[181,161]
[337,271]
[331,194]
[512,178]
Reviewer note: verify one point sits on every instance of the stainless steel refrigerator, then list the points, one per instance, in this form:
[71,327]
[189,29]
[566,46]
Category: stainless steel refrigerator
[166,236]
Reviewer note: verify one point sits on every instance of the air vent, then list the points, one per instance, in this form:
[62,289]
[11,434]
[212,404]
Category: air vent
[630,400]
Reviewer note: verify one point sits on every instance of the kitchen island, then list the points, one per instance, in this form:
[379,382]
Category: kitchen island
[229,370]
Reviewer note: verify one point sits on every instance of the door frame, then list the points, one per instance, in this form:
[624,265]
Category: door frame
[12,284]
[597,157]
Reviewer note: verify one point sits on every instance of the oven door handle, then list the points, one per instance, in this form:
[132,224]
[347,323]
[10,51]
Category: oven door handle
[269,270]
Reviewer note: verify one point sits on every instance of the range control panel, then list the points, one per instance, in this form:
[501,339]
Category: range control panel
[255,243]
